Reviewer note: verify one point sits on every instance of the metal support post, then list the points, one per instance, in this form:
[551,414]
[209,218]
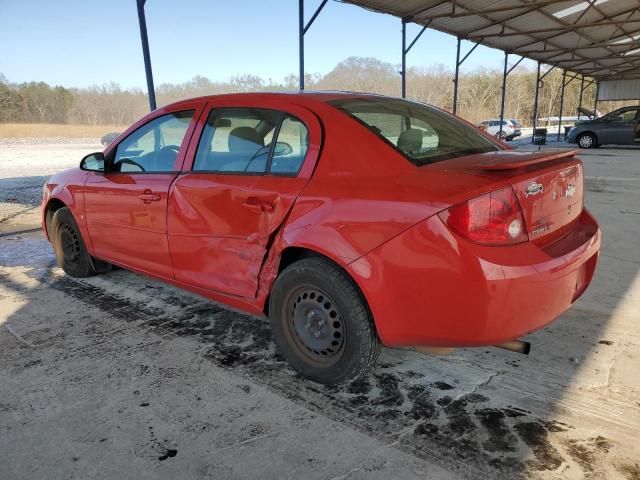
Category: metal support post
[534,119]
[301,44]
[581,93]
[302,30]
[405,50]
[403,71]
[504,91]
[456,79]
[564,74]
[145,53]
[504,86]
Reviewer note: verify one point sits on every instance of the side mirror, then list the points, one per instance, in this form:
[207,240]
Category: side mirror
[94,162]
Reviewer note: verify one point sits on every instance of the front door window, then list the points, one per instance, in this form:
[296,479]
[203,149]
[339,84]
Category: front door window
[153,147]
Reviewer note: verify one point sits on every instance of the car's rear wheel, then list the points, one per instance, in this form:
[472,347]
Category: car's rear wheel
[321,323]
[69,248]
[501,135]
[587,140]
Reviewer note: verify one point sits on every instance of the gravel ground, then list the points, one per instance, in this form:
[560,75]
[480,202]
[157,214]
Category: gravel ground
[25,165]
[122,376]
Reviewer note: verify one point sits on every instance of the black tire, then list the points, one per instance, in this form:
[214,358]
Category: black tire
[69,248]
[501,135]
[314,296]
[587,140]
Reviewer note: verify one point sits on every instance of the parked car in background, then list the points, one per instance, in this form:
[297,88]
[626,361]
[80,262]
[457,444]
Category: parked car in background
[107,139]
[517,127]
[350,220]
[507,132]
[619,127]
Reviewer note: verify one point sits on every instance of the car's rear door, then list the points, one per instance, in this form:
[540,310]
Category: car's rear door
[126,207]
[236,189]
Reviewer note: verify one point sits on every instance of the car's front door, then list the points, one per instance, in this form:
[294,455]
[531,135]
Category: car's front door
[126,207]
[249,165]
[619,127]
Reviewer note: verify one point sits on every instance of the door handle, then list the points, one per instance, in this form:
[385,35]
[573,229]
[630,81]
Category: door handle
[257,205]
[149,197]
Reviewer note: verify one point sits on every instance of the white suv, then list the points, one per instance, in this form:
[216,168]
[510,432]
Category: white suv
[492,127]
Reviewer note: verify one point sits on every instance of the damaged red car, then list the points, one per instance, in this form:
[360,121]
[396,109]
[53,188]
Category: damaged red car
[350,220]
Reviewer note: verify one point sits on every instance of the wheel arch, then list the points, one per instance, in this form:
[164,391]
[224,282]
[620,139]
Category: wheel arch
[53,205]
[293,253]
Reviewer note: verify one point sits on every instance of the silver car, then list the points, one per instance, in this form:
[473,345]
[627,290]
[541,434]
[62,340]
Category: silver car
[492,127]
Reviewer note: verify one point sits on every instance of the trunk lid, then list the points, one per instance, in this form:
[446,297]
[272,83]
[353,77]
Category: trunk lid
[548,185]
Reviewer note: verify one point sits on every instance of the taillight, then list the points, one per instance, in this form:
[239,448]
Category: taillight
[491,219]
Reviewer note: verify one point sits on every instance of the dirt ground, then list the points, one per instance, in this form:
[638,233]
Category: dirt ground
[120,376]
[53,131]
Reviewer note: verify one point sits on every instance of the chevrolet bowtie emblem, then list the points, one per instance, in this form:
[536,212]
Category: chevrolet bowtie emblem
[534,188]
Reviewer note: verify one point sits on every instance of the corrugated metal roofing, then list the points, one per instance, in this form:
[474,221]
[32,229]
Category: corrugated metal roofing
[619,90]
[596,38]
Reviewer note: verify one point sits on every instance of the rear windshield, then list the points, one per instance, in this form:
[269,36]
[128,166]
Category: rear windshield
[423,134]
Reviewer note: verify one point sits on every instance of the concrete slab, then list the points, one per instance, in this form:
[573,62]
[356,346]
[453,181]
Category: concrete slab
[119,375]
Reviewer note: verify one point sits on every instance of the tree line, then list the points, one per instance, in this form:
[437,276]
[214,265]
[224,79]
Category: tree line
[478,93]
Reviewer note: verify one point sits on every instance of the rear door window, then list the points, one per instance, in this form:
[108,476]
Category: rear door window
[241,141]
[291,147]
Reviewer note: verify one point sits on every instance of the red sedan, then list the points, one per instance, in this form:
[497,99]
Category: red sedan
[351,220]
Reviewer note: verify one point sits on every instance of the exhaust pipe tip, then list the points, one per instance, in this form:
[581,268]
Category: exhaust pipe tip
[517,346]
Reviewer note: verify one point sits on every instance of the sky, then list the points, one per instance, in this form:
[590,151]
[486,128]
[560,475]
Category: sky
[77,43]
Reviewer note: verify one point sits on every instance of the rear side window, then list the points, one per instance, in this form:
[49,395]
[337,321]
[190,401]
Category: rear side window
[291,148]
[251,141]
[423,134]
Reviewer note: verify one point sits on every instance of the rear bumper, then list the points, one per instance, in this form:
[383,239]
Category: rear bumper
[428,287]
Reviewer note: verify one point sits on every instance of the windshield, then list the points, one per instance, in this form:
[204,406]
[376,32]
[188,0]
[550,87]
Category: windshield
[423,134]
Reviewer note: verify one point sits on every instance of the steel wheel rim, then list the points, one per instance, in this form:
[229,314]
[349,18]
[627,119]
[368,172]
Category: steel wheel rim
[315,326]
[70,245]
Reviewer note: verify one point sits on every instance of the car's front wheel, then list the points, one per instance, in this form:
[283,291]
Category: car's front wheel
[587,140]
[69,248]
[321,323]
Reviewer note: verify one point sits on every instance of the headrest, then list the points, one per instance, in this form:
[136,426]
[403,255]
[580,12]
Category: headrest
[410,141]
[245,140]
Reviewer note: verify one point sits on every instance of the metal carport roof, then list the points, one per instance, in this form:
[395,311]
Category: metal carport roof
[595,38]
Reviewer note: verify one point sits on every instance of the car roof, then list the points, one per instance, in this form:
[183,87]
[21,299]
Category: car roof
[300,96]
